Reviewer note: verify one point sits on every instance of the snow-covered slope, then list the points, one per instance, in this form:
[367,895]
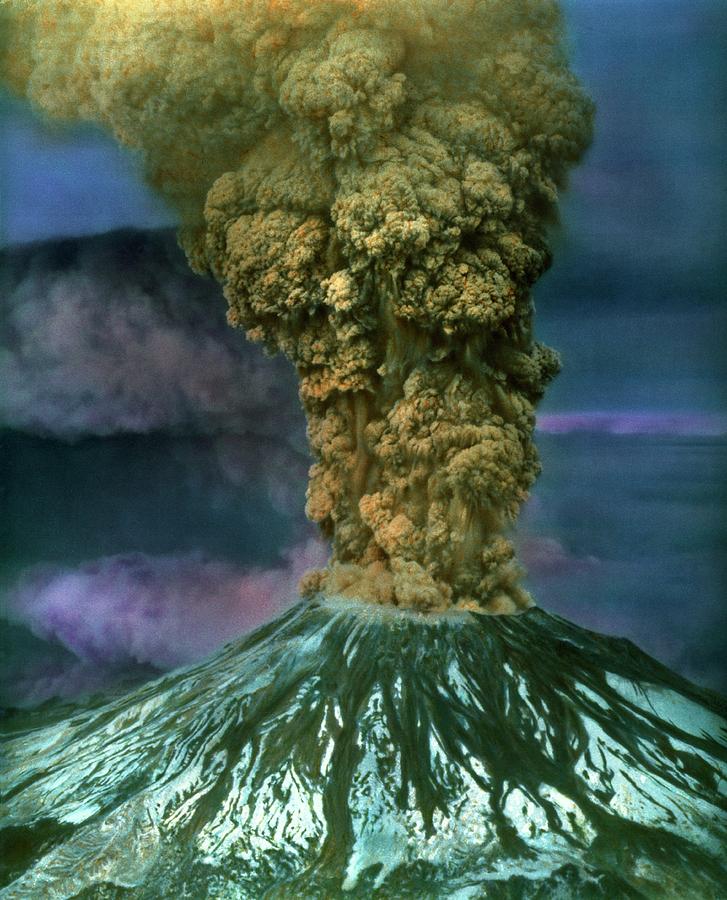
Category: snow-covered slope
[349,750]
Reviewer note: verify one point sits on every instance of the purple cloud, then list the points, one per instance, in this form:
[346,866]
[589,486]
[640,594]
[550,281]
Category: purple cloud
[68,678]
[118,613]
[687,424]
[547,557]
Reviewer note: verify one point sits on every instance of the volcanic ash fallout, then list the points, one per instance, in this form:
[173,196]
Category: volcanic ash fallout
[370,181]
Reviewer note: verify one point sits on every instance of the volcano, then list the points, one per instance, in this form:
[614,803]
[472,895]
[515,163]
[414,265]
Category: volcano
[350,750]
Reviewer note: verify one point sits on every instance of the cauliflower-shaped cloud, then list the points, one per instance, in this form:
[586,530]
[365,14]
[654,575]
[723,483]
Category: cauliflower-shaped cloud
[370,181]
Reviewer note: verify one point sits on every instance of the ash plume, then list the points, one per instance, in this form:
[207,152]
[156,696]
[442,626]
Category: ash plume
[371,182]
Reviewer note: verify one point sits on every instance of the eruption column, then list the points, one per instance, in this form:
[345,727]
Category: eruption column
[371,182]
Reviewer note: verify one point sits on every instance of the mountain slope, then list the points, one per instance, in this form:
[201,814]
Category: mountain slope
[350,750]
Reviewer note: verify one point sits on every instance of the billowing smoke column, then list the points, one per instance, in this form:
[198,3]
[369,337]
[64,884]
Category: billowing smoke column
[370,181]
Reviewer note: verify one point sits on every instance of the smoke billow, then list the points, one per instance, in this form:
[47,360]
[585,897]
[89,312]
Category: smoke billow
[118,613]
[371,182]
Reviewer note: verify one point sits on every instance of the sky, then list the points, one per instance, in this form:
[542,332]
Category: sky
[625,529]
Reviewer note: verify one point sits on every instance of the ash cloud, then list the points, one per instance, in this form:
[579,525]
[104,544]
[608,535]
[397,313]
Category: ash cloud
[373,193]
[127,615]
[114,334]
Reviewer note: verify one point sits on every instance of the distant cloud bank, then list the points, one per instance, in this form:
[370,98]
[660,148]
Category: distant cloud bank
[686,424]
[114,334]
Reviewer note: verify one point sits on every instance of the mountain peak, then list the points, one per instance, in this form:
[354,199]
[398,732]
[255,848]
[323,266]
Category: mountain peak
[346,750]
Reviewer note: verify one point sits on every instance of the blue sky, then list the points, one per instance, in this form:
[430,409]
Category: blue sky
[59,181]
